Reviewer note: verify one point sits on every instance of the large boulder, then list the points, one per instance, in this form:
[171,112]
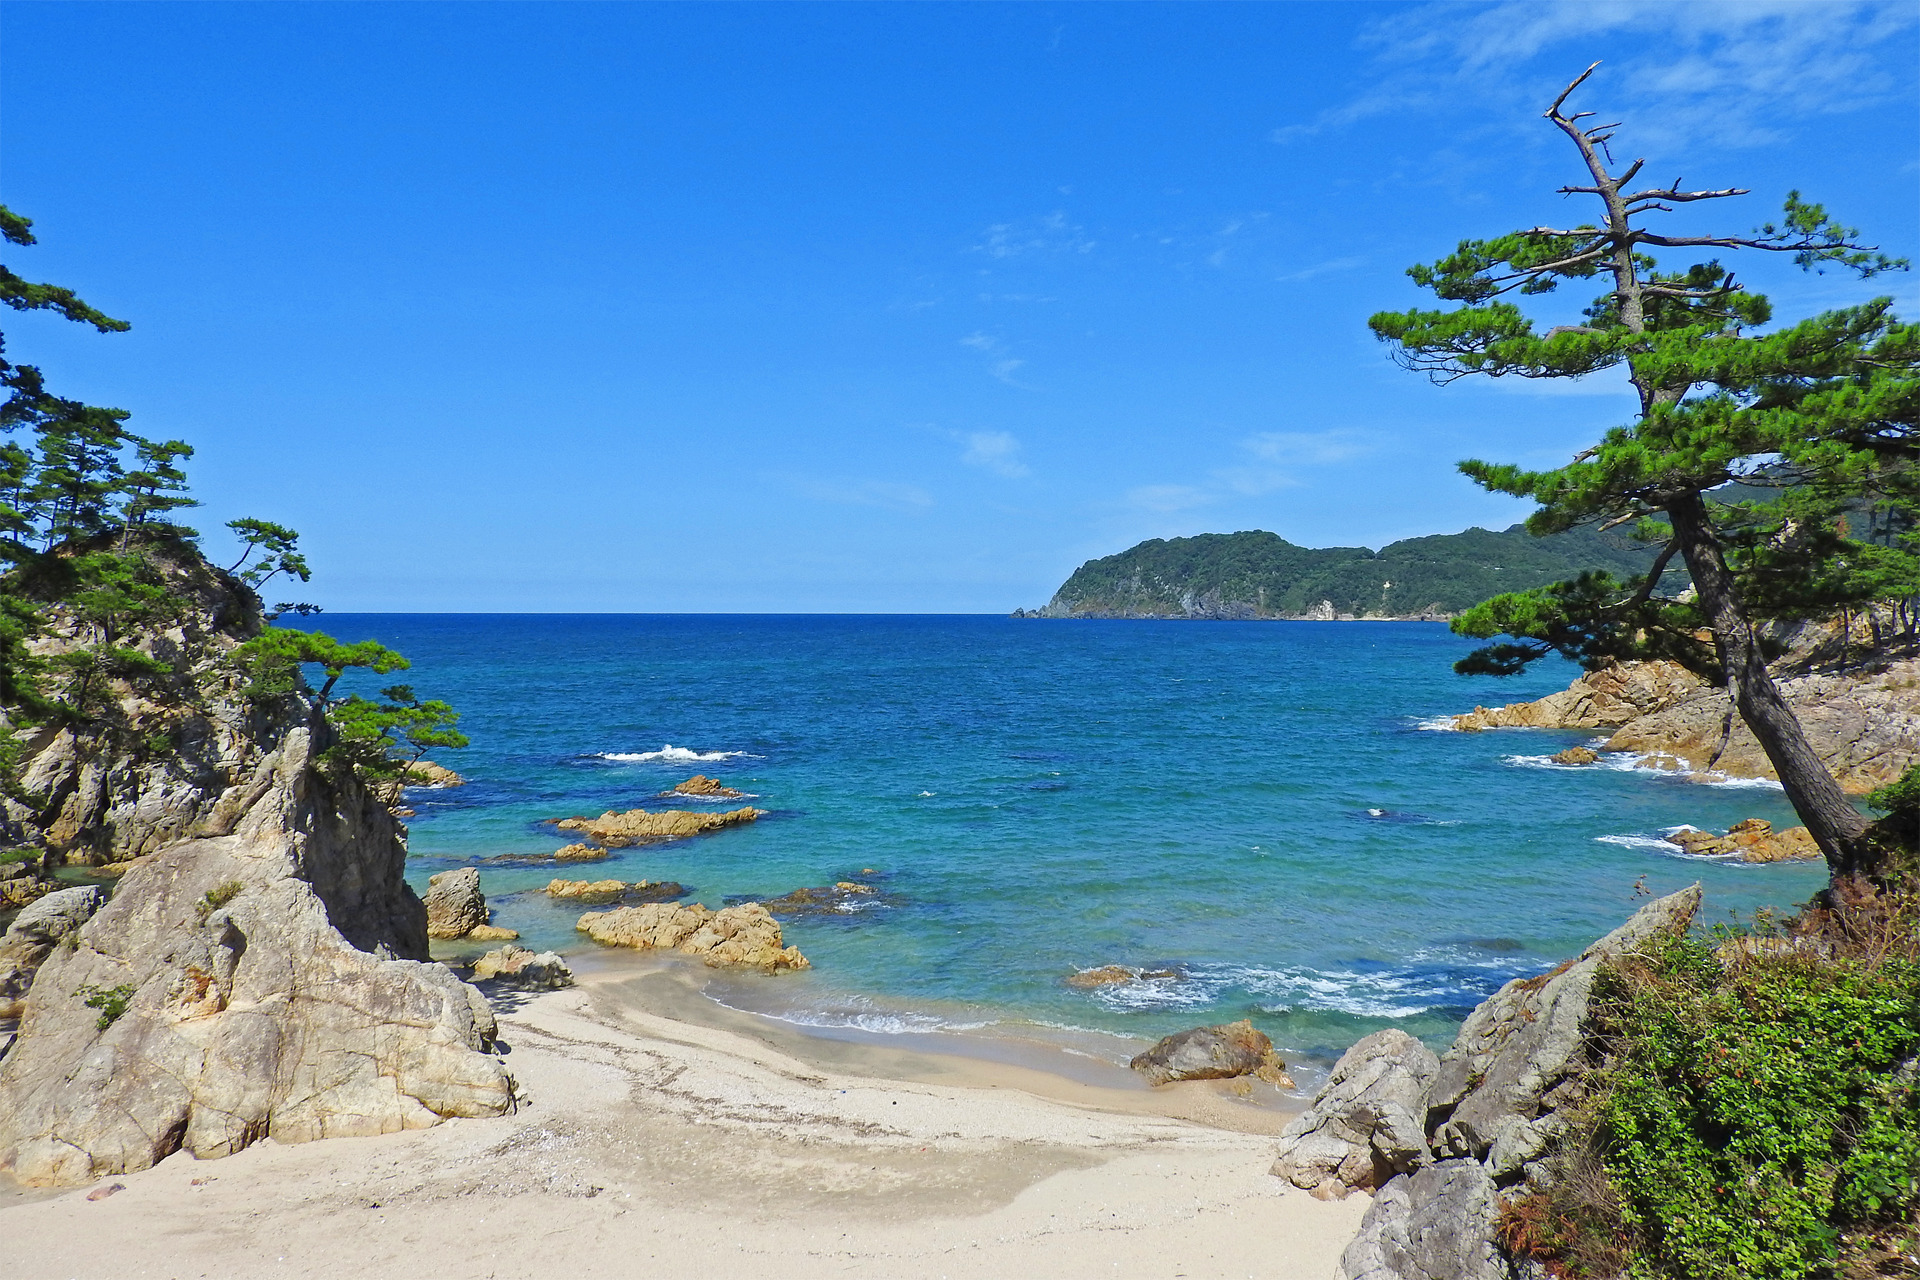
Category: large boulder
[744,936]
[1436,1224]
[1368,1121]
[266,980]
[512,966]
[457,909]
[34,932]
[1213,1053]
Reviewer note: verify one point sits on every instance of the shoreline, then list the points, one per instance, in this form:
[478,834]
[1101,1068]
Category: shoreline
[719,1140]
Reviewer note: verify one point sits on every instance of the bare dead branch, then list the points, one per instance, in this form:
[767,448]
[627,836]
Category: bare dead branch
[1554,110]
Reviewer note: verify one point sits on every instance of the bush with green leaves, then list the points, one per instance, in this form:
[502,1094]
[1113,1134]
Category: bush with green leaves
[1758,1117]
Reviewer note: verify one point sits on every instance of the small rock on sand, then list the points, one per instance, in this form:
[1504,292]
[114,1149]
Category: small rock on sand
[1213,1053]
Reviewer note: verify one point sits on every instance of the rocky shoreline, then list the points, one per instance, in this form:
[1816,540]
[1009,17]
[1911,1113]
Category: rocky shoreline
[1861,711]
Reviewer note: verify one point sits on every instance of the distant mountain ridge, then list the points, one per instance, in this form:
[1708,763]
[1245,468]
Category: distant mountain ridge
[1262,575]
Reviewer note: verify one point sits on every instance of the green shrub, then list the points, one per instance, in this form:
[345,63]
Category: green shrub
[110,1001]
[1752,1116]
[217,897]
[17,855]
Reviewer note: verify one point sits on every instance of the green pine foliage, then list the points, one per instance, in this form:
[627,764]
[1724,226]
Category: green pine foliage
[87,540]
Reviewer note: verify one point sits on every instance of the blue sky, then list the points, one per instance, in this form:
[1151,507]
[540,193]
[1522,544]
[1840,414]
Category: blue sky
[887,308]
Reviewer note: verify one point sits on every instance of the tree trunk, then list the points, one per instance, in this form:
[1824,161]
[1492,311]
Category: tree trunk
[1836,826]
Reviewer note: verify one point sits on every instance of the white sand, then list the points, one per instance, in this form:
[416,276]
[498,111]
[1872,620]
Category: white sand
[656,1146]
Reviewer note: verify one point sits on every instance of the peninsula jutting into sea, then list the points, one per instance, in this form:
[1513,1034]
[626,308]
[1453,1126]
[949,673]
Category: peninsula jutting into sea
[1560,921]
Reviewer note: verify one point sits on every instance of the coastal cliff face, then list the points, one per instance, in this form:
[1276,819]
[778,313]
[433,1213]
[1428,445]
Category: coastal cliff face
[266,981]
[174,754]
[1863,719]
[261,967]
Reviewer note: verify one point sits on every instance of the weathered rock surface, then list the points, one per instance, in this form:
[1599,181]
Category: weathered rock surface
[34,933]
[1213,1053]
[1597,700]
[605,891]
[512,966]
[425,773]
[745,936]
[701,785]
[1752,840]
[1864,723]
[274,985]
[1576,755]
[1484,1119]
[1436,1224]
[638,826]
[1368,1121]
[455,905]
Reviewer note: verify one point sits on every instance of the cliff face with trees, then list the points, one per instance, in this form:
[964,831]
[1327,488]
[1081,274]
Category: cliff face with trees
[1261,575]
[259,968]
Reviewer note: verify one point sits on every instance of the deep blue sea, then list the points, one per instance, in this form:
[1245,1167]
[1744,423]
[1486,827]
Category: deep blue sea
[1255,806]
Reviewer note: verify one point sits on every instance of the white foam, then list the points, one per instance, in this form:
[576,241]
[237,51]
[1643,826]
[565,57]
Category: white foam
[670,754]
[1438,724]
[859,1015]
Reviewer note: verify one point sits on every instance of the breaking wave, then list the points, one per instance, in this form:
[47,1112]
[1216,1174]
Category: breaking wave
[670,754]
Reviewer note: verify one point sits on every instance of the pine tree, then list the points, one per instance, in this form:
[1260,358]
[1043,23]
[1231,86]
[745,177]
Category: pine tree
[1830,406]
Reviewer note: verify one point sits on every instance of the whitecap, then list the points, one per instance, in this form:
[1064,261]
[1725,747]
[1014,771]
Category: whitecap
[1438,724]
[670,754]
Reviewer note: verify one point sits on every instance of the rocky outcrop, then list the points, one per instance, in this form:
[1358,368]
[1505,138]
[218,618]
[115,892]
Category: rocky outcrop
[1864,723]
[744,936]
[33,935]
[1603,699]
[20,884]
[1368,1121]
[1479,1124]
[425,773]
[605,891]
[1753,840]
[1576,755]
[267,979]
[638,826]
[457,909]
[176,756]
[1213,1053]
[512,966]
[701,785]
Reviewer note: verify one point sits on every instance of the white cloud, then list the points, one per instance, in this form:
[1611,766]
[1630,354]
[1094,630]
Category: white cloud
[1051,234]
[995,451]
[1740,72]
[1306,448]
[862,493]
[1171,497]
[1003,366]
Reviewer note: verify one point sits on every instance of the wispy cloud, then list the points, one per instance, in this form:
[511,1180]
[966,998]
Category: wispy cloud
[1738,72]
[1320,269]
[861,493]
[999,363]
[1052,234]
[1277,460]
[995,451]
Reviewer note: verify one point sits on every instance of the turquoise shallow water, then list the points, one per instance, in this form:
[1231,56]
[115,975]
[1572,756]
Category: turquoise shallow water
[1253,805]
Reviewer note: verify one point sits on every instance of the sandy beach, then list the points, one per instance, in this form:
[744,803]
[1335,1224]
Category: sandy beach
[661,1134]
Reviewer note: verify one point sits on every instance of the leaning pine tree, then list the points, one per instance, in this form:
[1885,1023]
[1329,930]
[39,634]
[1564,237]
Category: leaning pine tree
[1827,407]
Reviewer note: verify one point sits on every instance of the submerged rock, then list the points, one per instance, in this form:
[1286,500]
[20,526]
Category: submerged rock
[1368,1121]
[1213,1053]
[247,984]
[638,826]
[518,967]
[1113,975]
[745,936]
[701,785]
[841,898]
